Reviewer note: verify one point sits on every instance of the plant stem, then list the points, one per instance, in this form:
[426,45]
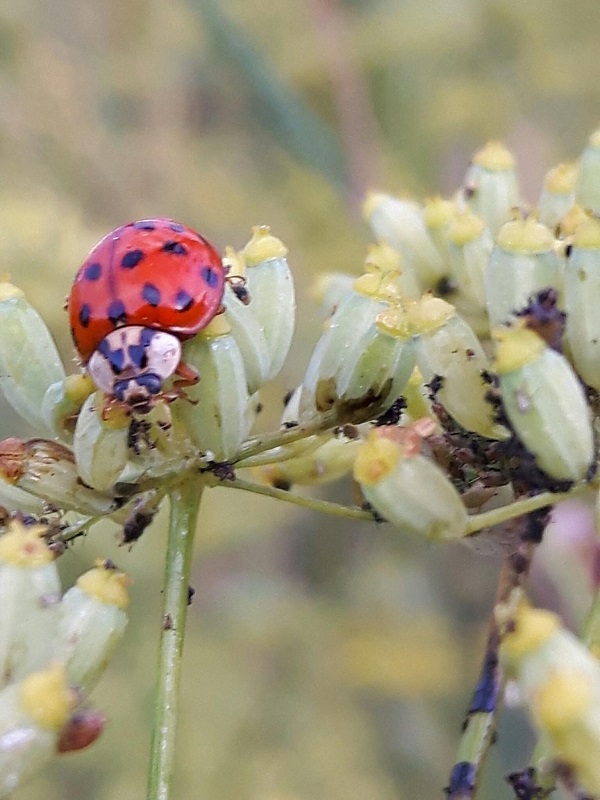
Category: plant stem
[519,508]
[268,441]
[313,503]
[184,501]
[480,724]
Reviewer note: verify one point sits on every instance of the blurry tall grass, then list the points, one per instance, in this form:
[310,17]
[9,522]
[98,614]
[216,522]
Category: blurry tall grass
[324,660]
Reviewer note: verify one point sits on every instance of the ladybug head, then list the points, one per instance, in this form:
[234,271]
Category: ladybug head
[132,363]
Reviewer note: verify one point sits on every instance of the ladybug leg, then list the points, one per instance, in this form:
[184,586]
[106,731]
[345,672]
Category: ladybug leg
[114,408]
[187,377]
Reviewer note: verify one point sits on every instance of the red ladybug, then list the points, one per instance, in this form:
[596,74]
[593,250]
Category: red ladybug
[142,290]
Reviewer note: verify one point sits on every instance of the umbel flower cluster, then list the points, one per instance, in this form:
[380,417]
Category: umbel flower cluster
[53,649]
[457,380]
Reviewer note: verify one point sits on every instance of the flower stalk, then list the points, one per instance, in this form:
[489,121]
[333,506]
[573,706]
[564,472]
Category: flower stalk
[184,505]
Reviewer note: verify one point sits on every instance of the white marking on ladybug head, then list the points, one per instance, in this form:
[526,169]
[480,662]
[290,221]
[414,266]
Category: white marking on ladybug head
[131,363]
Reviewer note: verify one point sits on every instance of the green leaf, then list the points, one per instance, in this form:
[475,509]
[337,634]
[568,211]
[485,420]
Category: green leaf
[282,110]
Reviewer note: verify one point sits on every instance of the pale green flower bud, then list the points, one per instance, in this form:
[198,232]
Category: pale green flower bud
[29,361]
[522,263]
[246,328]
[361,363]
[219,420]
[47,469]
[62,403]
[491,186]
[403,282]
[271,288]
[588,184]
[341,341]
[400,223]
[92,622]
[15,499]
[437,216]
[32,714]
[582,301]
[384,365]
[470,245]
[330,290]
[559,680]
[574,217]
[406,487]
[29,597]
[545,403]
[447,348]
[330,460]
[101,447]
[111,447]
[558,194]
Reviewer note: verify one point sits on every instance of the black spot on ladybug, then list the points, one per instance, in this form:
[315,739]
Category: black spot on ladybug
[132,259]
[84,315]
[183,300]
[116,312]
[176,248]
[93,271]
[151,294]
[210,276]
[145,225]
[176,226]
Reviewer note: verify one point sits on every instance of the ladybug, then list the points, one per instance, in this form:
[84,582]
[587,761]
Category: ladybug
[141,291]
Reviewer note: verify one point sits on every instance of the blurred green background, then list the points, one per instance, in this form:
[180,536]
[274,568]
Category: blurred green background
[323,659]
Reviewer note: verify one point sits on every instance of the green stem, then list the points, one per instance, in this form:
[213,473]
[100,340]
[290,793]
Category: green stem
[480,725]
[269,441]
[313,503]
[519,508]
[184,504]
[278,454]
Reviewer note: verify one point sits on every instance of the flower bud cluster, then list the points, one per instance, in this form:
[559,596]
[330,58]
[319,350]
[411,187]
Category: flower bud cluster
[526,282]
[364,358]
[457,319]
[53,650]
[559,681]
[243,348]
